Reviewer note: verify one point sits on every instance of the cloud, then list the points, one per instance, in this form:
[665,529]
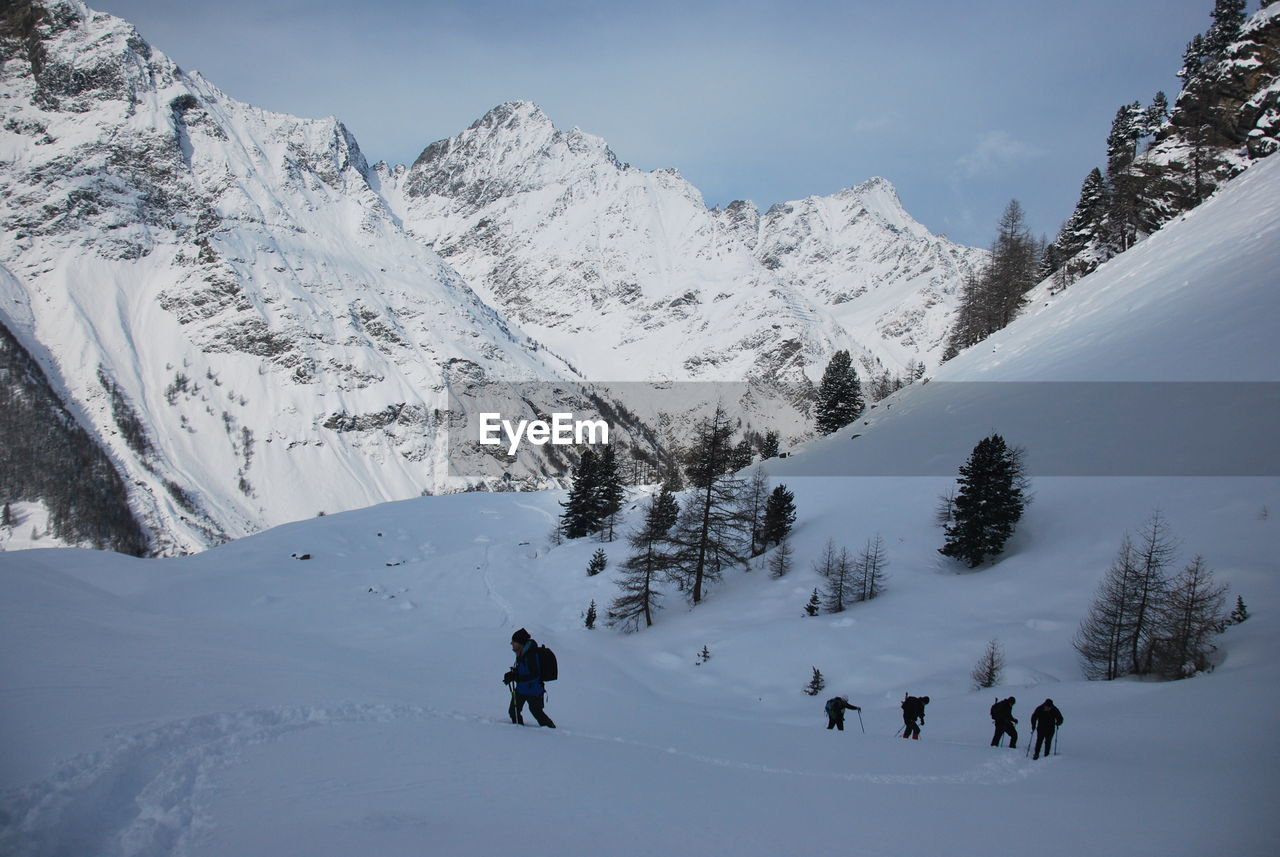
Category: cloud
[996,152]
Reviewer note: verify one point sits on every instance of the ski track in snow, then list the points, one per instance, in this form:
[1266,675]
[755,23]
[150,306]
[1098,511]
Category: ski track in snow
[144,793]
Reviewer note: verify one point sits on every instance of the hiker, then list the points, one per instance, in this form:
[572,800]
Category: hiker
[913,710]
[525,680]
[1045,720]
[1002,714]
[836,707]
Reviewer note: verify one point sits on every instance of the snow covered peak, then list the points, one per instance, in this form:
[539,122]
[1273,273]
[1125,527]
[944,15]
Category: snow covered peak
[514,148]
[879,198]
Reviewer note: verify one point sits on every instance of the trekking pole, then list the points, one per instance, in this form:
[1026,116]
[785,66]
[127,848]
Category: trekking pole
[864,729]
[1056,740]
[899,732]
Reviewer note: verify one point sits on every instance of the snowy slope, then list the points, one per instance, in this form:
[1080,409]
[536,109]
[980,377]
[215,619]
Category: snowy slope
[1163,361]
[248,701]
[230,279]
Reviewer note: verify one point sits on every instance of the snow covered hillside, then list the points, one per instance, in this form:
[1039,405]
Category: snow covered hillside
[333,686]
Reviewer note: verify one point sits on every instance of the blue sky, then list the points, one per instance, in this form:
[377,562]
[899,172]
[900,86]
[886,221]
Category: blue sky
[962,105]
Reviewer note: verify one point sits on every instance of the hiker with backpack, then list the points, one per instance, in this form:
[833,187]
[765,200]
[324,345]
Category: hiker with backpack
[913,710]
[1045,720]
[835,708]
[525,678]
[1002,714]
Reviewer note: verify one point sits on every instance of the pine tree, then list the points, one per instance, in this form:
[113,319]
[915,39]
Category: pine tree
[6,516]
[990,667]
[1100,640]
[816,683]
[703,656]
[769,445]
[869,570]
[599,562]
[754,508]
[834,567]
[779,516]
[1153,553]
[712,531]
[839,394]
[991,298]
[651,559]
[989,502]
[581,508]
[609,492]
[1239,613]
[1191,616]
[590,619]
[1087,223]
[780,560]
[814,604]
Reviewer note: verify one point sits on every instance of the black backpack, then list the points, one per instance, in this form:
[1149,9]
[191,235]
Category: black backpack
[547,667]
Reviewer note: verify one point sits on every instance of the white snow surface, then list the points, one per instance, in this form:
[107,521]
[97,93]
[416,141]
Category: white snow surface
[247,701]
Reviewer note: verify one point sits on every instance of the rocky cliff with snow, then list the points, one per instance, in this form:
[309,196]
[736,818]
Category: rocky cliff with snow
[255,325]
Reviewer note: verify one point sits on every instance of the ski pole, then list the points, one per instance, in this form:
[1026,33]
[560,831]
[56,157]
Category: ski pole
[864,728]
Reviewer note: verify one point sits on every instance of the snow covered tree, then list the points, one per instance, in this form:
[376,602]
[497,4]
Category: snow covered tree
[703,656]
[651,559]
[780,560]
[816,683]
[590,619]
[779,516]
[869,570]
[990,667]
[839,394]
[6,516]
[599,562]
[1191,616]
[989,502]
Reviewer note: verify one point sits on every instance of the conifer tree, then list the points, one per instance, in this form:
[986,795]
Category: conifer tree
[754,507]
[651,559]
[990,667]
[839,394]
[834,567]
[712,531]
[599,562]
[779,516]
[590,619]
[991,298]
[6,516]
[869,570]
[609,492]
[780,560]
[988,504]
[1153,552]
[1100,640]
[816,683]
[1239,613]
[1191,616]
[769,445]
[581,508]
[814,604]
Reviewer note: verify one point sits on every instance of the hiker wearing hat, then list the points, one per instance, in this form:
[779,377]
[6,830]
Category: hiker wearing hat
[836,707]
[1045,720]
[525,680]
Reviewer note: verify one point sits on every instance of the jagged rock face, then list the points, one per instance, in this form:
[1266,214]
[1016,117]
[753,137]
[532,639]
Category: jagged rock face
[223,297]
[628,276]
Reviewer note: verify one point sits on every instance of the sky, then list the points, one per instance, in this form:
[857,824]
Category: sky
[963,106]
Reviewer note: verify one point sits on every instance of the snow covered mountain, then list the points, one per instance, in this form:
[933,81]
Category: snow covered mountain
[243,701]
[628,273]
[244,313]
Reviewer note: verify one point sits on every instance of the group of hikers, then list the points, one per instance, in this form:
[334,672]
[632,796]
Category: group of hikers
[1045,720]
[526,682]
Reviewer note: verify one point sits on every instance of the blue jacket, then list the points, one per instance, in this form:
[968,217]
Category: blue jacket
[528,670]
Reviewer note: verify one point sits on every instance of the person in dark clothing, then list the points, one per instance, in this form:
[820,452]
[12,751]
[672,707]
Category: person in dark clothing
[1002,714]
[525,680]
[836,707]
[913,710]
[1045,720]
